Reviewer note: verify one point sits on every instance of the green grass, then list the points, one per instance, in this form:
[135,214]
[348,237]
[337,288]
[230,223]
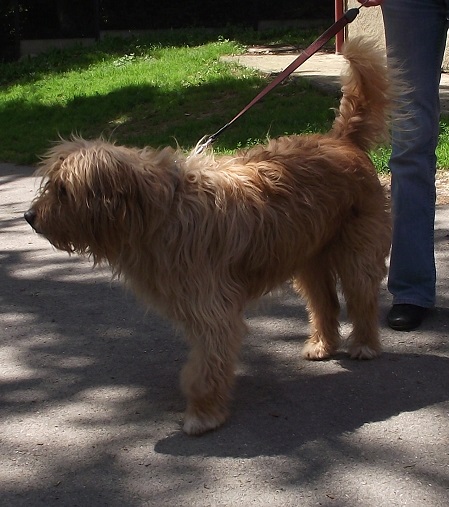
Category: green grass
[381,155]
[443,144]
[166,90]
[144,92]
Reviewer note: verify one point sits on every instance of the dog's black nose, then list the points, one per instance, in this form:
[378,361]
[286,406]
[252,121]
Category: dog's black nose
[30,216]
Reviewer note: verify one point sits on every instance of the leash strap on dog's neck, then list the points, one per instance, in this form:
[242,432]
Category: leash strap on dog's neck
[348,17]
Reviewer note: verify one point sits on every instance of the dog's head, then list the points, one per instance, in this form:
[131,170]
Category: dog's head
[93,196]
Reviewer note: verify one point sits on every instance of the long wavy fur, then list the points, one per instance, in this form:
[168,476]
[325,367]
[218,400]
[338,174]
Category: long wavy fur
[199,236]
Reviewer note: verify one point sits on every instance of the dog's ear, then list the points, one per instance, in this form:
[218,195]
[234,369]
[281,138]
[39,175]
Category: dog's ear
[103,179]
[116,192]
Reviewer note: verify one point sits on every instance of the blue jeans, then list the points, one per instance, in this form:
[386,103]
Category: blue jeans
[416,36]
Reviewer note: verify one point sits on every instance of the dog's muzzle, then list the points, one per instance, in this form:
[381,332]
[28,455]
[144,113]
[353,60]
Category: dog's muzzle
[30,217]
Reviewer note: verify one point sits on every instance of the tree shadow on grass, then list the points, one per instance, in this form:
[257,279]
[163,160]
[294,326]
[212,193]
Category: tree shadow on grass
[147,115]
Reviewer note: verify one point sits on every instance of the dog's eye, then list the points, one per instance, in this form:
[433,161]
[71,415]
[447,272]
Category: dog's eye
[62,191]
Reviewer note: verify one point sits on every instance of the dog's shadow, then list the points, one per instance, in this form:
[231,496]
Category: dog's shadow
[275,414]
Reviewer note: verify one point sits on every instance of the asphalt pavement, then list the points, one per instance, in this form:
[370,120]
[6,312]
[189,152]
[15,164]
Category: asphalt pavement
[90,406]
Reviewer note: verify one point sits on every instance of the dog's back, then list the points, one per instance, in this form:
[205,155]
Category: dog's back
[369,89]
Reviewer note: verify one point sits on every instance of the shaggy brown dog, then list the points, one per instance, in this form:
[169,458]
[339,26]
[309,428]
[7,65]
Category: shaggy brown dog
[200,236]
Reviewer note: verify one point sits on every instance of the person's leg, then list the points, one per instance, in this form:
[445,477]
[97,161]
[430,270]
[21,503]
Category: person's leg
[415,34]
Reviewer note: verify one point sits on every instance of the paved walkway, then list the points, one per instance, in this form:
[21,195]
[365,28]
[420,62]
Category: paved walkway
[322,69]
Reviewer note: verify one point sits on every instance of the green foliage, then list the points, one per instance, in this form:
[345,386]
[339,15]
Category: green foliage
[380,158]
[443,145]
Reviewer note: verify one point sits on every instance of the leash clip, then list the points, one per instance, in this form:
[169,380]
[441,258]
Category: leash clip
[202,145]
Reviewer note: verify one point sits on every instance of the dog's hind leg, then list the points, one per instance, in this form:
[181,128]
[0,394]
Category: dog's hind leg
[360,263]
[208,377]
[360,286]
[317,284]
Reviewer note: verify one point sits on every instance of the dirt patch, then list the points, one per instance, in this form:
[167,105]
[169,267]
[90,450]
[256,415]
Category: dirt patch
[441,182]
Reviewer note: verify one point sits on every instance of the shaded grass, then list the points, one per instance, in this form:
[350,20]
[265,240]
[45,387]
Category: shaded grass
[380,156]
[163,90]
[143,93]
[443,144]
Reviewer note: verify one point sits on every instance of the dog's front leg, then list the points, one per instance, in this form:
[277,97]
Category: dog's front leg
[208,377]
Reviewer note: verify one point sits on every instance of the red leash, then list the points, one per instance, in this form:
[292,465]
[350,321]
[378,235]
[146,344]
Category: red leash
[348,17]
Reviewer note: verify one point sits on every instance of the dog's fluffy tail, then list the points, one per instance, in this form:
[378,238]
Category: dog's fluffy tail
[369,89]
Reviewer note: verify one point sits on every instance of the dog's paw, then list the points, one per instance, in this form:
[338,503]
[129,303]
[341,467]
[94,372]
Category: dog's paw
[194,425]
[363,352]
[316,351]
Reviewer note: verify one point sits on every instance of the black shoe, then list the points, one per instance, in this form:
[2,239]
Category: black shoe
[406,317]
